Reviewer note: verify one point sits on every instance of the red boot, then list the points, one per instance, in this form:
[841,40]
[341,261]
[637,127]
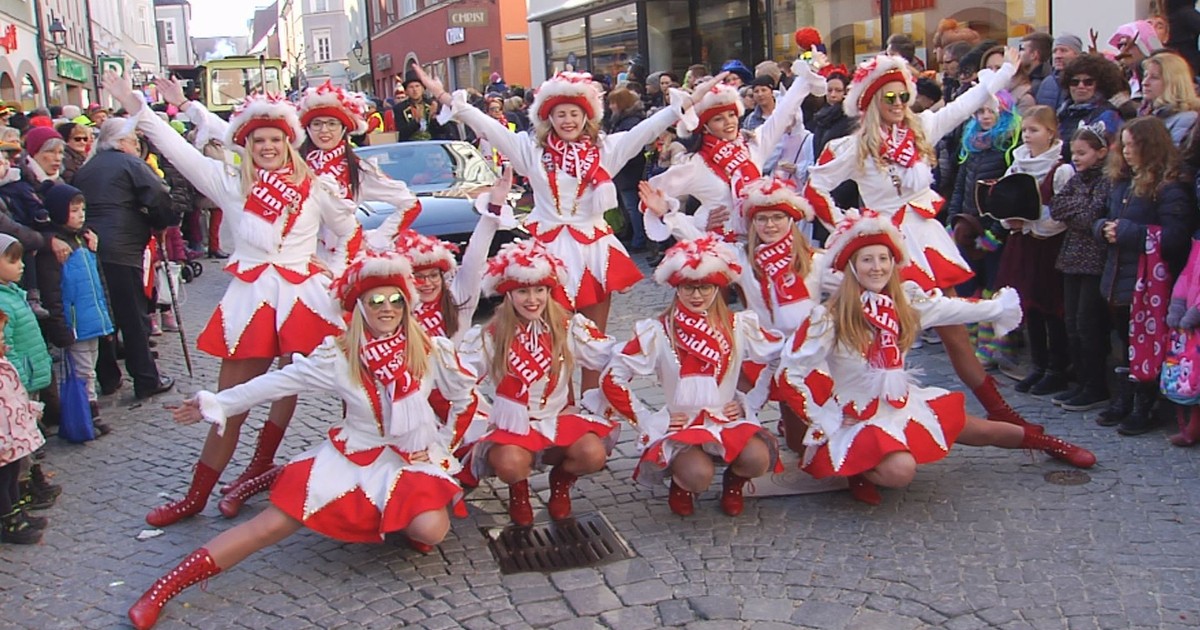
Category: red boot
[203,481]
[232,503]
[1189,427]
[865,491]
[997,408]
[420,546]
[1076,456]
[680,500]
[519,509]
[560,493]
[731,492]
[194,568]
[264,456]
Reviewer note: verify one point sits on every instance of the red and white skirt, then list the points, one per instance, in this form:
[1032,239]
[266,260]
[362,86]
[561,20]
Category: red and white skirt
[360,496]
[726,440]
[926,427]
[268,311]
[597,264]
[934,259]
[561,431]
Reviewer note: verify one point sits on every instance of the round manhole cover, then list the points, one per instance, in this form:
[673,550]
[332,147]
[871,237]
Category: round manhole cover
[1067,477]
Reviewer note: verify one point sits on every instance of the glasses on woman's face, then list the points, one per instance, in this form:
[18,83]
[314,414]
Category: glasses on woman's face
[703,290]
[376,302]
[892,97]
[80,138]
[321,125]
[1082,81]
[426,277]
[768,219]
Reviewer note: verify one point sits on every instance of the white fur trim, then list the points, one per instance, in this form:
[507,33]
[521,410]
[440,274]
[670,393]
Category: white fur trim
[371,265]
[719,96]
[268,106]
[506,221]
[856,225]
[354,104]
[509,415]
[698,259]
[425,251]
[868,72]
[1010,311]
[765,192]
[526,262]
[697,392]
[573,84]
[211,410]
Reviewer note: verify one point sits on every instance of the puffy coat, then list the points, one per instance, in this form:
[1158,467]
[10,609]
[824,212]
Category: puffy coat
[629,176]
[989,163]
[1079,205]
[74,293]
[24,199]
[27,349]
[1071,116]
[1171,207]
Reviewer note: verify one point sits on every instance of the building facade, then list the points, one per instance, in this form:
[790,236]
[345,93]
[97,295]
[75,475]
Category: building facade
[602,36]
[358,62]
[314,38]
[125,33]
[462,43]
[68,73]
[21,68]
[173,19]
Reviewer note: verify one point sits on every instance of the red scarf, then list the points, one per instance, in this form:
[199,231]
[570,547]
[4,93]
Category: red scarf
[775,260]
[880,311]
[384,359]
[429,315]
[580,159]
[730,160]
[529,360]
[332,162]
[703,350]
[274,195]
[900,149]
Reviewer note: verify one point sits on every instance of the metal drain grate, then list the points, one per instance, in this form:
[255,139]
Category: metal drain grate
[1067,477]
[583,541]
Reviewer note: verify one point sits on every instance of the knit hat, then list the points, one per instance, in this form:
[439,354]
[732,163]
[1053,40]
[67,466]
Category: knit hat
[371,270]
[41,121]
[523,263]
[735,66]
[6,241]
[326,100]
[705,260]
[1070,41]
[872,75]
[575,88]
[860,229]
[58,200]
[37,137]
[259,111]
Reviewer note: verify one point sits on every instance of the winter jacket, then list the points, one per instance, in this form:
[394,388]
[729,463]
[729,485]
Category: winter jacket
[1071,116]
[24,198]
[72,160]
[30,238]
[1079,205]
[408,127]
[989,163]
[181,191]
[1178,123]
[74,293]
[1050,93]
[26,347]
[629,175]
[117,187]
[830,123]
[1171,207]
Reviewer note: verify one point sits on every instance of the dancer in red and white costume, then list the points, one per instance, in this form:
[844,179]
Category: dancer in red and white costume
[696,349]
[569,164]
[278,301]
[890,157]
[385,467]
[528,351]
[726,162]
[844,369]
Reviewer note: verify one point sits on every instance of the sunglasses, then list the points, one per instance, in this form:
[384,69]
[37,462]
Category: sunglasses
[1084,81]
[80,138]
[377,301]
[891,97]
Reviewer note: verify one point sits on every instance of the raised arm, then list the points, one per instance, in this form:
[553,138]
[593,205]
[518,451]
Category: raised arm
[208,125]
[955,113]
[788,112]
[466,285]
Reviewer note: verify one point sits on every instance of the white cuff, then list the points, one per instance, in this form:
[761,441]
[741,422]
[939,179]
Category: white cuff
[212,411]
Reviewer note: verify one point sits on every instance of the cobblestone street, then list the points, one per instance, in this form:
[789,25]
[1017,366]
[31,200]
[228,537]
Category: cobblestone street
[979,540]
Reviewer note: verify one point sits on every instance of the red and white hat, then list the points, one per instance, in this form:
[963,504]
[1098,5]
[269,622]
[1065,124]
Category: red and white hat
[427,252]
[523,263]
[703,260]
[371,270]
[722,98]
[326,100]
[574,88]
[872,75]
[857,230]
[264,110]
[768,194]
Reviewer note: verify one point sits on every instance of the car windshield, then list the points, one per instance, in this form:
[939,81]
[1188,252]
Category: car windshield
[432,166]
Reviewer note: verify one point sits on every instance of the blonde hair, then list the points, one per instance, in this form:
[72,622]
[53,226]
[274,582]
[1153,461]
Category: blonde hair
[416,351]
[300,170]
[801,253]
[1044,116]
[870,146]
[1179,93]
[543,129]
[718,315]
[854,332]
[503,328]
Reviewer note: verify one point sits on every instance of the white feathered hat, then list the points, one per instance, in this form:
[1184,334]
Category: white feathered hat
[773,194]
[371,270]
[264,110]
[523,263]
[575,88]
[722,98]
[704,260]
[873,74]
[327,100]
[857,230]
[427,252]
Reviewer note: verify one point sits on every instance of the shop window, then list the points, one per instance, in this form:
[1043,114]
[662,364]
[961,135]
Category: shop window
[29,93]
[462,72]
[614,39]
[724,29]
[669,36]
[567,43]
[481,68]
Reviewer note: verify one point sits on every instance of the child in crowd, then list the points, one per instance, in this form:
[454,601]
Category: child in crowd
[1078,205]
[73,291]
[1027,263]
[19,438]
[27,349]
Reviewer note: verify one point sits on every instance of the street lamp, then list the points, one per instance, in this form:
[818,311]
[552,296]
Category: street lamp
[358,52]
[58,37]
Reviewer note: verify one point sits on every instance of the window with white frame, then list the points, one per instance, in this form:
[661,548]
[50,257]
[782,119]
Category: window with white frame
[168,31]
[408,7]
[143,25]
[322,45]
[320,6]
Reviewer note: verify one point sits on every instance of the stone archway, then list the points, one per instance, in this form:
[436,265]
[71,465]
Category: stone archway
[8,88]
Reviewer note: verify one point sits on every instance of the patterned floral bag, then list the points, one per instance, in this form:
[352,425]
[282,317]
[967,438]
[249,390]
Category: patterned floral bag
[1148,311]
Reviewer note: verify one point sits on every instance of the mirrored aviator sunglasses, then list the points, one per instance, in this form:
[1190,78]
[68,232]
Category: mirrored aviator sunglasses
[377,301]
[891,97]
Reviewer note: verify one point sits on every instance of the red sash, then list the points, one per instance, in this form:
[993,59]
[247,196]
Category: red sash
[528,362]
[703,350]
[332,162]
[429,315]
[730,160]
[900,146]
[775,260]
[580,160]
[880,311]
[274,195]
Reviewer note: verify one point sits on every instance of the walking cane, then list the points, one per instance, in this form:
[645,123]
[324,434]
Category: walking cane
[187,356]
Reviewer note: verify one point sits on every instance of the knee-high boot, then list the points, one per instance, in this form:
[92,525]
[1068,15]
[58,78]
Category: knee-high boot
[195,568]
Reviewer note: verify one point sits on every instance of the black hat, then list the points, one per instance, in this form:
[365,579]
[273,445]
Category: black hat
[1014,196]
[764,81]
[411,77]
[929,88]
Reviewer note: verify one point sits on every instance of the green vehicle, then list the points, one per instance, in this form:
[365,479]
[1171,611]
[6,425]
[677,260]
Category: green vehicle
[223,83]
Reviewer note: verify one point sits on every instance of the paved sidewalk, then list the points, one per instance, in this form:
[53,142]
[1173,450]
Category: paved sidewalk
[979,540]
